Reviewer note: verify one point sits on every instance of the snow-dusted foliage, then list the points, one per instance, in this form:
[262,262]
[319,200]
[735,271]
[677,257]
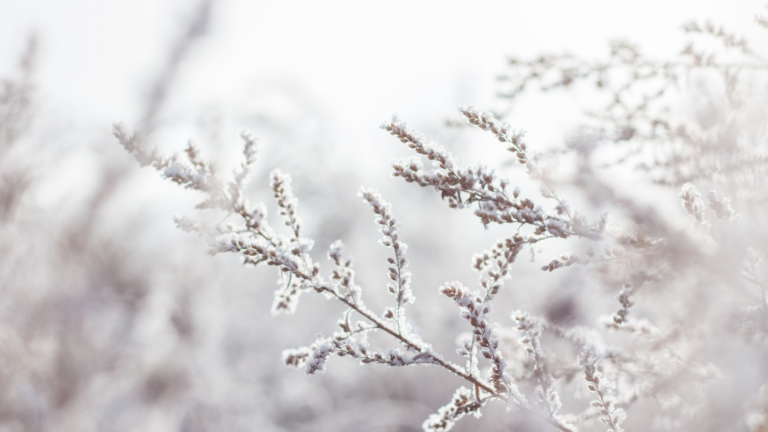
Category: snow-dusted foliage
[662,297]
[626,291]
[612,415]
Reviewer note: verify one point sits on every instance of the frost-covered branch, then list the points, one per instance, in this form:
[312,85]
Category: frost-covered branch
[631,251]
[258,243]
[545,391]
[613,416]
[397,273]
[478,184]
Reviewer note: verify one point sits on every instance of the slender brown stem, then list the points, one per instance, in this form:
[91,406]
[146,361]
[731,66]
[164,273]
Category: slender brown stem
[437,360]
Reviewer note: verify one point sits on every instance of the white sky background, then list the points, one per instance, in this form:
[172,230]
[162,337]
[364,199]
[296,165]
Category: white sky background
[360,61]
[348,65]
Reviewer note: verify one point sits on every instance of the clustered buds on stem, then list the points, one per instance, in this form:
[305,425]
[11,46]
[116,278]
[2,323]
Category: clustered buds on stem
[401,288]
[462,404]
[612,415]
[531,329]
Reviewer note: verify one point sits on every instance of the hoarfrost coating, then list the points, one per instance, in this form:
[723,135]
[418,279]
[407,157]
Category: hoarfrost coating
[643,306]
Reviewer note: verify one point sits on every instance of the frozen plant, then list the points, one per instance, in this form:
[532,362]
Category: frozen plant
[612,415]
[659,313]
[639,108]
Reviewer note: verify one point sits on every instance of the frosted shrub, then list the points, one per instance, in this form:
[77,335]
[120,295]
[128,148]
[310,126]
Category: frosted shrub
[673,319]
[78,294]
